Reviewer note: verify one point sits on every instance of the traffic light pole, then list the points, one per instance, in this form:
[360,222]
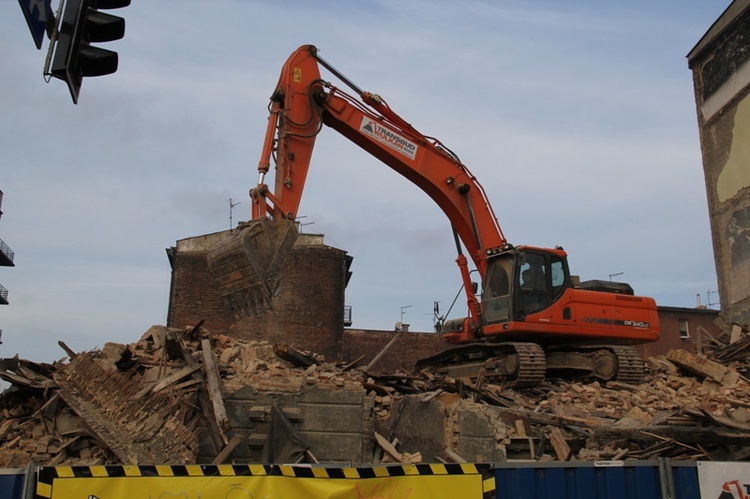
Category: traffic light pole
[52,34]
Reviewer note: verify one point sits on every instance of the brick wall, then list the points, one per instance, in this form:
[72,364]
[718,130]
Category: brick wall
[402,355]
[308,312]
[670,339]
[193,295]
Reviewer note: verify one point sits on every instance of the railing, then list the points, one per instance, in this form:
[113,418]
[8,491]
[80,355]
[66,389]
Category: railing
[347,315]
[3,295]
[5,250]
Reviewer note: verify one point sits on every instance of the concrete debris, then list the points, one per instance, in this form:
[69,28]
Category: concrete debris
[190,396]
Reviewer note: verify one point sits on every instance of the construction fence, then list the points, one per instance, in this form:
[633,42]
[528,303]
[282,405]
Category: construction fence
[662,479]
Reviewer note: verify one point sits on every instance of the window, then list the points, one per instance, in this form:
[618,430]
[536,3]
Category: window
[533,283]
[684,332]
[558,276]
[496,295]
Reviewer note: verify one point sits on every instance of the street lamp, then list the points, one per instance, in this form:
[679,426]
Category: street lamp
[614,275]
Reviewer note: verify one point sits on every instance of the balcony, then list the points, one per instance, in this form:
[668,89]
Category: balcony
[347,315]
[3,295]
[6,255]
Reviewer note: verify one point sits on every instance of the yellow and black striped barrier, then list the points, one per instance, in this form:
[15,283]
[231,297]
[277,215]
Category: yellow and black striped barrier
[255,481]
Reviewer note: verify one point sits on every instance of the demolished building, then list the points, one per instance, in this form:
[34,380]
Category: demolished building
[191,396]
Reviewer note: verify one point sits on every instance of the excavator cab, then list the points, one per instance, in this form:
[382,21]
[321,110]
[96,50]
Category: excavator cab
[522,281]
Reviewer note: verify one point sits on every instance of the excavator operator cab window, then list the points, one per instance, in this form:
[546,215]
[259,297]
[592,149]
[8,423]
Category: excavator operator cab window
[532,283]
[496,293]
[557,272]
[541,281]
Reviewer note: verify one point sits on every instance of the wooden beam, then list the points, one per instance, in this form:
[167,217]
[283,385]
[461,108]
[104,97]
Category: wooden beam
[228,449]
[165,382]
[388,447]
[383,351]
[213,382]
[217,435]
[562,449]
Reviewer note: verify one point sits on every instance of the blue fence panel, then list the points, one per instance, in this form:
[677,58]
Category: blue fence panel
[578,481]
[12,483]
[685,481]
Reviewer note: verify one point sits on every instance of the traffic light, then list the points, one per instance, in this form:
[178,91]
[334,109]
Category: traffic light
[81,25]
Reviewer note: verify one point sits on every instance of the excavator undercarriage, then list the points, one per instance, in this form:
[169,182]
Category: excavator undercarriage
[524,365]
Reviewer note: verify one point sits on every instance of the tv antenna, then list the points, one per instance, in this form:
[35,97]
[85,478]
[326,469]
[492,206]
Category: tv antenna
[402,311]
[231,210]
[708,298]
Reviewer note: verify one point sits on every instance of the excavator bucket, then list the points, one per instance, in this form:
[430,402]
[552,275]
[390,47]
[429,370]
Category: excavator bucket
[247,264]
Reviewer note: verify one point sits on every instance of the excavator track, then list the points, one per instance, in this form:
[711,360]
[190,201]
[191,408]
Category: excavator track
[630,364]
[519,364]
[532,365]
[603,362]
[525,365]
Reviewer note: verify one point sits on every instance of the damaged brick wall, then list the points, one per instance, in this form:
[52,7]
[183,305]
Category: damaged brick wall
[193,296]
[721,77]
[401,355]
[308,312]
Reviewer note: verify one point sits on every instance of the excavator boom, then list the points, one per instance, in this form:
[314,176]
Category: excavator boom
[301,105]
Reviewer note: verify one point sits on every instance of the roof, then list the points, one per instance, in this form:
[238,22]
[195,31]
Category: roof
[735,9]
[684,310]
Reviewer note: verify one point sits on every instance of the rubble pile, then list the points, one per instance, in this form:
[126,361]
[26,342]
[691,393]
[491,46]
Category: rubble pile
[145,403]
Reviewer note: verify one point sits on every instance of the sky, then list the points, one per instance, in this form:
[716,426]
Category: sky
[578,118]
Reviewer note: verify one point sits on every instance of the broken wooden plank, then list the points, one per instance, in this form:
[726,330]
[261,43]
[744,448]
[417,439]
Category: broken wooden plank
[454,456]
[383,351]
[67,349]
[192,332]
[168,380]
[228,449]
[389,447]
[293,355]
[562,449]
[684,434]
[217,434]
[725,421]
[352,363]
[479,385]
[431,395]
[213,381]
[736,334]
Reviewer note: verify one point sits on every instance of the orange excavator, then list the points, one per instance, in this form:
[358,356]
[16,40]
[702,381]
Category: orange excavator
[531,317]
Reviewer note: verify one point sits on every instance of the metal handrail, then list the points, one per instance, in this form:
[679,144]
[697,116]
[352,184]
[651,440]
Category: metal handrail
[5,250]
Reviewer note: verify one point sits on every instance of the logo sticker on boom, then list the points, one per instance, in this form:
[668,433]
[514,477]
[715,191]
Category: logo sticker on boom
[388,137]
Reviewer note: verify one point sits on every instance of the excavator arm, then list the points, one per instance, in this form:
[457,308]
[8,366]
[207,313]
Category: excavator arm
[300,106]
[302,103]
